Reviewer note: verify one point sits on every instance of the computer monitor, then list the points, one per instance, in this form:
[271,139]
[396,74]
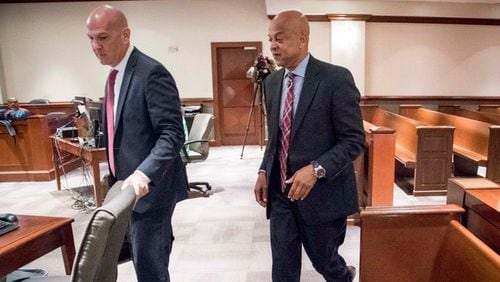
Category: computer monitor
[95,110]
[80,103]
[80,100]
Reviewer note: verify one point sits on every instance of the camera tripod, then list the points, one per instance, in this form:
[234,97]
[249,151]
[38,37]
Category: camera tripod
[259,95]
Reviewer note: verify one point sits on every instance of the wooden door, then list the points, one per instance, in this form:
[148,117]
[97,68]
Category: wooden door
[233,93]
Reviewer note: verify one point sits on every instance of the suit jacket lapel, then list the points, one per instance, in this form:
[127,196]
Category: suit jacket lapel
[275,102]
[307,94]
[127,76]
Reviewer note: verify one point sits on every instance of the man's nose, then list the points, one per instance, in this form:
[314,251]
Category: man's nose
[96,45]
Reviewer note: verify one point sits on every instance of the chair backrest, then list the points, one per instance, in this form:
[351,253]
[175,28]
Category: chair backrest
[39,101]
[200,130]
[97,257]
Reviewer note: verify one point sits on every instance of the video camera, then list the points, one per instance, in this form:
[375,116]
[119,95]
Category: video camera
[262,67]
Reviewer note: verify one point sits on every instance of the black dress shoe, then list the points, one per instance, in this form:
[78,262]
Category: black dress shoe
[352,272]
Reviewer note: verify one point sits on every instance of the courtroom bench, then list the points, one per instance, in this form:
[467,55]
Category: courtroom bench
[422,243]
[375,167]
[480,197]
[425,151]
[475,115]
[490,108]
[475,143]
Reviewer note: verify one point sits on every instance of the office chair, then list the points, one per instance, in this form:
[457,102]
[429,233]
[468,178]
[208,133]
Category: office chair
[39,101]
[97,258]
[196,147]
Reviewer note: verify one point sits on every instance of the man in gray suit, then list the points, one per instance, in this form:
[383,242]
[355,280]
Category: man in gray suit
[306,179]
[144,134]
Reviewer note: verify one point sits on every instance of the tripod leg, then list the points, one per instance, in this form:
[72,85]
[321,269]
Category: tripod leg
[249,119]
[263,116]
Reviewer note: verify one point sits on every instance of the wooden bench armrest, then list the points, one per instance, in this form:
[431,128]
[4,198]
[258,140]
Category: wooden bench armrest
[411,210]
[481,159]
[374,129]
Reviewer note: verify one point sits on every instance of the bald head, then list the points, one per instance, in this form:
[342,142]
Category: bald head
[109,15]
[289,38]
[12,103]
[293,20]
[108,30]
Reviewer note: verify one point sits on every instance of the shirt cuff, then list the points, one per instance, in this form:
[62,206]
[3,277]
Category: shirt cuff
[143,175]
[262,171]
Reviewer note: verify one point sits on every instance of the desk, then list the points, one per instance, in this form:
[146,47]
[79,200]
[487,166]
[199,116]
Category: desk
[35,237]
[92,156]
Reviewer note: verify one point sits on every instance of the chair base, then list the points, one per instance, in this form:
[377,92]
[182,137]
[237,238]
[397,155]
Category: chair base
[203,187]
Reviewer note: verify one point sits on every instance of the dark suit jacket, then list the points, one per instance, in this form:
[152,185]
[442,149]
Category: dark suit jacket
[149,133]
[327,127]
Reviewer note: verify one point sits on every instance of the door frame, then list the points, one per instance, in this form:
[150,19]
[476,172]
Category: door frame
[215,78]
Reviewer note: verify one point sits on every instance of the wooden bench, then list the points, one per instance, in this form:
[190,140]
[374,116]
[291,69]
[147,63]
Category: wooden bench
[425,150]
[28,156]
[475,143]
[479,197]
[422,243]
[475,115]
[375,167]
[490,108]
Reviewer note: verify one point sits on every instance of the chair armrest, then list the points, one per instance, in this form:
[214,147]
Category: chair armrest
[184,149]
[196,141]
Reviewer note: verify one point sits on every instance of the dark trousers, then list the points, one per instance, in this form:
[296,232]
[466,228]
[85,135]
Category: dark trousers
[289,232]
[150,240]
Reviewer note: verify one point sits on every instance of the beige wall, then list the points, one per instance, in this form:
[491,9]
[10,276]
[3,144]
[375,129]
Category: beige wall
[437,8]
[412,59]
[430,59]
[44,51]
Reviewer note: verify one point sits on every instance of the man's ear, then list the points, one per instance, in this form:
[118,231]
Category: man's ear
[303,40]
[126,34]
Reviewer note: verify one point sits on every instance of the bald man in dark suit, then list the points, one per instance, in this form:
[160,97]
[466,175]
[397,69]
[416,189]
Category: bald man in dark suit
[306,179]
[144,133]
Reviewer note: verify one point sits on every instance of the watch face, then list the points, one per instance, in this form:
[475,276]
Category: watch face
[319,172]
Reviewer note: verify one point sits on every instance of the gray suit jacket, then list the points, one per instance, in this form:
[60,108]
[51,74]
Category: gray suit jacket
[149,132]
[327,127]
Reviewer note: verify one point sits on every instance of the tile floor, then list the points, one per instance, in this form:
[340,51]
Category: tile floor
[224,237]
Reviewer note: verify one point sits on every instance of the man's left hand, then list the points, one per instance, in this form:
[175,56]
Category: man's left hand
[302,182]
[140,184]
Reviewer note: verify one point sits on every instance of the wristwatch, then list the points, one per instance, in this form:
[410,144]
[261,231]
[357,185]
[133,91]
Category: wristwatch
[319,171]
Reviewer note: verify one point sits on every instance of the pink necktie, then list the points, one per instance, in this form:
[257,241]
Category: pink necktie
[110,119]
[286,128]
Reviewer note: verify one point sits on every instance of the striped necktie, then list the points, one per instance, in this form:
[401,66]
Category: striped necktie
[286,128]
[110,117]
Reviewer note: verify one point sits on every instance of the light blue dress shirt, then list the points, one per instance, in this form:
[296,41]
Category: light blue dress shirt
[299,72]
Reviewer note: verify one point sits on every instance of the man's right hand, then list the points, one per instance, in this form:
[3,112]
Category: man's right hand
[260,189]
